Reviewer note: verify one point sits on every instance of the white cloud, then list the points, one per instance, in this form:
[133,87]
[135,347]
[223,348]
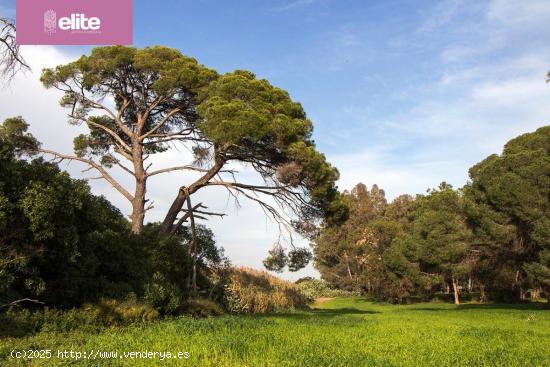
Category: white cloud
[525,13]
[441,15]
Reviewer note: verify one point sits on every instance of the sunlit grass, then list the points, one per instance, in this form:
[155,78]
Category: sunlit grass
[341,332]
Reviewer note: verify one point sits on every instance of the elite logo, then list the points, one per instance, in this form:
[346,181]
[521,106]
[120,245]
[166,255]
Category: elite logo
[76,23]
[70,22]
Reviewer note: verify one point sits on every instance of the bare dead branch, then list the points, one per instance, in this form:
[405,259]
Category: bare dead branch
[21,301]
[105,175]
[11,61]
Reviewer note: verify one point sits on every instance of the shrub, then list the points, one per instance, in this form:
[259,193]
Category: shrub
[163,295]
[89,318]
[313,288]
[203,308]
[253,291]
[114,313]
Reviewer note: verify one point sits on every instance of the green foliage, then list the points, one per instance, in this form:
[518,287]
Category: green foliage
[89,318]
[442,234]
[164,97]
[348,255]
[16,140]
[241,109]
[124,73]
[164,295]
[58,242]
[199,308]
[408,247]
[316,288]
[296,259]
[276,259]
[492,235]
[116,313]
[509,207]
[65,247]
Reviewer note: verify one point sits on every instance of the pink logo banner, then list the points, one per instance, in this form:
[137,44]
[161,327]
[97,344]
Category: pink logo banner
[74,22]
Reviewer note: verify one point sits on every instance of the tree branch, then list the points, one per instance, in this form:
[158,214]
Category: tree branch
[95,165]
[160,124]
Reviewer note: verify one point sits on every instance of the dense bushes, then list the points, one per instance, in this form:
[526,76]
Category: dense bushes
[253,291]
[89,317]
[64,247]
[58,242]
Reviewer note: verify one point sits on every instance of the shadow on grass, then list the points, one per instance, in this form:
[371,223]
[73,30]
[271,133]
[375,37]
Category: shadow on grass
[321,313]
[487,306]
[10,328]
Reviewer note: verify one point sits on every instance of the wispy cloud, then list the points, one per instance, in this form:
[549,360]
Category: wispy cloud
[479,95]
[441,15]
[291,4]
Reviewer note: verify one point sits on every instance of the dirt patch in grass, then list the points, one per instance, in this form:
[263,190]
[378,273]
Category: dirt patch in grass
[320,300]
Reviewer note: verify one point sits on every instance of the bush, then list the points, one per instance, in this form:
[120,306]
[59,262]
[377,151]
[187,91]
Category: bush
[253,291]
[203,308]
[89,318]
[115,313]
[163,295]
[313,288]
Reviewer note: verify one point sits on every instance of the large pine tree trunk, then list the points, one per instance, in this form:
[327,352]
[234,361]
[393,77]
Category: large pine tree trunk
[455,290]
[138,204]
[138,208]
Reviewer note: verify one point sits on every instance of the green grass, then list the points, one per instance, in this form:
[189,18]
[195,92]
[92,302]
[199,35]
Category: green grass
[341,332]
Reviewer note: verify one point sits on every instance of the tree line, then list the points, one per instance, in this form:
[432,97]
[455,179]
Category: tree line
[490,236]
[62,246]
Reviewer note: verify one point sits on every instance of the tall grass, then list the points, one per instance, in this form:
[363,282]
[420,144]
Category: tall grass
[253,291]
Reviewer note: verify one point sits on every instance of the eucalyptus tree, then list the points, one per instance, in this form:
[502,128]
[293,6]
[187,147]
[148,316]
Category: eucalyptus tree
[345,252]
[140,102]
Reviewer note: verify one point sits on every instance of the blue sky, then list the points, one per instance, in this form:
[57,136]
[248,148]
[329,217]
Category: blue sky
[376,76]
[404,94]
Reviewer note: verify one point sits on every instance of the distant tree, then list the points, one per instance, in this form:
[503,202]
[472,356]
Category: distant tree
[11,60]
[510,211]
[140,102]
[443,236]
[341,250]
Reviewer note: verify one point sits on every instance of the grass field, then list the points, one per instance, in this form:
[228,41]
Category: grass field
[340,332]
